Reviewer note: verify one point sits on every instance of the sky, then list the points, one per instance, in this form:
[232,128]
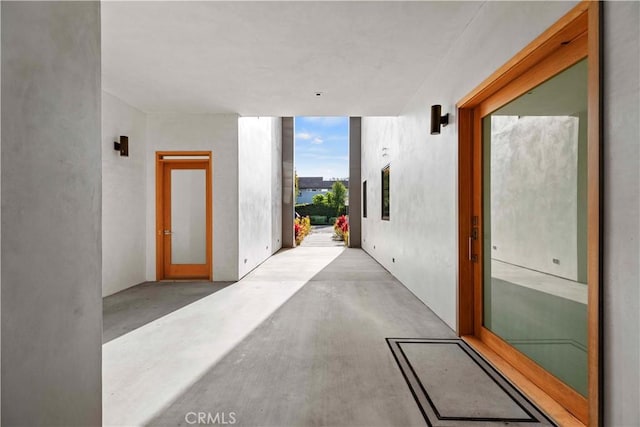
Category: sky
[322,146]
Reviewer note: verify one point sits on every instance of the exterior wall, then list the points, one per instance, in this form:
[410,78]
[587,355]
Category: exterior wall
[123,196]
[421,234]
[51,197]
[219,134]
[258,141]
[306,196]
[621,213]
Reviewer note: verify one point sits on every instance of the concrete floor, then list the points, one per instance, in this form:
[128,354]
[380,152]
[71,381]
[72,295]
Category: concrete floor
[300,341]
[146,369]
[321,236]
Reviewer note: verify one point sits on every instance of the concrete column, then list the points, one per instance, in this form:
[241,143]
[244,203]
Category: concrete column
[288,198]
[51,205]
[621,194]
[355,182]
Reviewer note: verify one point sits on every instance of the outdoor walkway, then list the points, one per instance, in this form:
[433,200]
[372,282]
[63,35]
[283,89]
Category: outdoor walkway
[300,341]
[321,236]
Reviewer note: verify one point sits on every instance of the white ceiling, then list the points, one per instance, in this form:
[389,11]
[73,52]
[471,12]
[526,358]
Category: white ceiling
[270,58]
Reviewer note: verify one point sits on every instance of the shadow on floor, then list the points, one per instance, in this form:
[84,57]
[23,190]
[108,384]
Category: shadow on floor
[321,358]
[134,307]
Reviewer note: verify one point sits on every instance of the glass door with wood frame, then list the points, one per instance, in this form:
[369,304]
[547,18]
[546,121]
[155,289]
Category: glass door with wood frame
[184,217]
[530,233]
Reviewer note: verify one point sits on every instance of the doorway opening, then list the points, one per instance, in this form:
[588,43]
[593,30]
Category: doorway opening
[184,223]
[321,163]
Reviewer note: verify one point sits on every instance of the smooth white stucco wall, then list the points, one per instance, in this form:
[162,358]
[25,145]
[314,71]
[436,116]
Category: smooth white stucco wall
[422,232]
[191,132]
[259,190]
[123,196]
[621,213]
[51,227]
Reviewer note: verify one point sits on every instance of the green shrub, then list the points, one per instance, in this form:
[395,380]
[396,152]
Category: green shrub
[332,220]
[310,209]
[318,220]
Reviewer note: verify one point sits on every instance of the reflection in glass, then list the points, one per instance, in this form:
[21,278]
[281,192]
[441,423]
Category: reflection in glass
[188,216]
[534,179]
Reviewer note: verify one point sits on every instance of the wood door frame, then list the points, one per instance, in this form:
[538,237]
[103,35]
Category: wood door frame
[575,36]
[163,158]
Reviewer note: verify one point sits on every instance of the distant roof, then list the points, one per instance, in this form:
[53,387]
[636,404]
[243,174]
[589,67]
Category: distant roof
[306,182]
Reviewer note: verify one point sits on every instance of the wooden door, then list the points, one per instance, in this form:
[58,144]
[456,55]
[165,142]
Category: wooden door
[184,220]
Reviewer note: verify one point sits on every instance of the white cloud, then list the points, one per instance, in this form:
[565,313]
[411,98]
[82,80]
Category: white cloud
[317,140]
[304,136]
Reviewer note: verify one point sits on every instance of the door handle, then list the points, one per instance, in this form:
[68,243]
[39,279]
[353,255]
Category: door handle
[472,257]
[167,232]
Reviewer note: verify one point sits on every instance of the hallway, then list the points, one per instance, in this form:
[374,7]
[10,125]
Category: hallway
[101,94]
[300,341]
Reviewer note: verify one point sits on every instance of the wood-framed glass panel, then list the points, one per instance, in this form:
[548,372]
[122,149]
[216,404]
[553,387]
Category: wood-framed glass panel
[570,45]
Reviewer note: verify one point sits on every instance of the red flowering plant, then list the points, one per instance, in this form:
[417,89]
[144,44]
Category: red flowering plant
[341,228]
[301,227]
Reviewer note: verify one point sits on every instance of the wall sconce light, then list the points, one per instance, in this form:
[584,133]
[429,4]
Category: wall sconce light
[437,119]
[122,146]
